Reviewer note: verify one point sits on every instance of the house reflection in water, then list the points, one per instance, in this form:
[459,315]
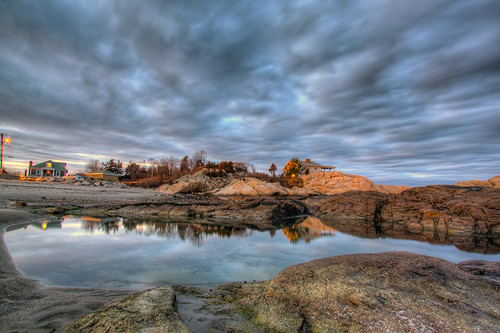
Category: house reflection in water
[310,228]
[92,224]
[48,224]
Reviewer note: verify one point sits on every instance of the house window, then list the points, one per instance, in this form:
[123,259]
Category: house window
[49,165]
[38,172]
[58,173]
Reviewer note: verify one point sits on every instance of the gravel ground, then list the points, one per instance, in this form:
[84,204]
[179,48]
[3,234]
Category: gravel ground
[36,192]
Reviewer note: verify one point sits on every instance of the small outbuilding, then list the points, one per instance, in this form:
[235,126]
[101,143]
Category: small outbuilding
[311,167]
[103,175]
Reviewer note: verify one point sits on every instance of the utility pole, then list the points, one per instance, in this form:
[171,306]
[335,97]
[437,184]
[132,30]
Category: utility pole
[7,139]
[1,158]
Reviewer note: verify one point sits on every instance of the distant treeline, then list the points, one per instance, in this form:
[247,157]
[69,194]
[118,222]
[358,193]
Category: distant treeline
[152,172]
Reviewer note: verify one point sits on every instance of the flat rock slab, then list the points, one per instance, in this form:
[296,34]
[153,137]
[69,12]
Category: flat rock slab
[153,310]
[386,292]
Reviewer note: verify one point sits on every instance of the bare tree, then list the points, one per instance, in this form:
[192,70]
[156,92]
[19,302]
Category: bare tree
[92,166]
[163,168]
[199,159]
[173,167]
[173,164]
[133,170]
[152,163]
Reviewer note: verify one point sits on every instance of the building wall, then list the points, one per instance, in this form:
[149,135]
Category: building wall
[47,173]
[313,170]
[101,176]
[110,178]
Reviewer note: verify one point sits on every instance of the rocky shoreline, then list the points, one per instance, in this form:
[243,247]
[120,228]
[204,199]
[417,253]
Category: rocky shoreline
[468,217]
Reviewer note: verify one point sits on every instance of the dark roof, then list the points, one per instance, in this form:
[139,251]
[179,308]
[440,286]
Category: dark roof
[54,165]
[314,164]
[104,172]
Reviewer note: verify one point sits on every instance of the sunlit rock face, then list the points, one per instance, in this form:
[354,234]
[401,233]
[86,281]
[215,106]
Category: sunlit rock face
[388,292]
[468,218]
[251,186]
[153,310]
[338,182]
[492,182]
[316,184]
[198,182]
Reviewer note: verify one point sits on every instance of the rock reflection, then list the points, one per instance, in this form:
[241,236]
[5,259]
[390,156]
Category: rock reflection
[311,228]
[369,229]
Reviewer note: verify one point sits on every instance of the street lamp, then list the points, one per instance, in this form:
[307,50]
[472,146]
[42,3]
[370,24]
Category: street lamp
[6,140]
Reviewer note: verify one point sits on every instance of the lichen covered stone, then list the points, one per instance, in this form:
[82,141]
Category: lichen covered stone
[153,310]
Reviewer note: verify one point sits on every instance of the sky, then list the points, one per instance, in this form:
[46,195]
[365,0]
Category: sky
[402,92]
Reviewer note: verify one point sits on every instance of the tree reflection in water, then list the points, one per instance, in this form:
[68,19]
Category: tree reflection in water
[307,230]
[93,224]
[195,233]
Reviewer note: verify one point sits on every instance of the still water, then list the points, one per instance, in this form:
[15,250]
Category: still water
[122,254]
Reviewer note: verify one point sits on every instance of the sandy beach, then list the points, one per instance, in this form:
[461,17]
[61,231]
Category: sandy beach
[26,305]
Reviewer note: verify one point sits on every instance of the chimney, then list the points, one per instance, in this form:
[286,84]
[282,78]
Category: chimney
[31,164]
[308,160]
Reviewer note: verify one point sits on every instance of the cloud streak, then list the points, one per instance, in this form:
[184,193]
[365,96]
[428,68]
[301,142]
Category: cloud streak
[383,89]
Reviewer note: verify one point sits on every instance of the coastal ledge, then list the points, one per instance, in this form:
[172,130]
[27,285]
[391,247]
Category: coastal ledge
[385,292]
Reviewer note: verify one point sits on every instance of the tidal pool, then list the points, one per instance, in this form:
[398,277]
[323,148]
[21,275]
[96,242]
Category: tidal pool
[122,254]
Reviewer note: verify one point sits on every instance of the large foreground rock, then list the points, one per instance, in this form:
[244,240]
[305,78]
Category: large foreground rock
[387,292]
[154,310]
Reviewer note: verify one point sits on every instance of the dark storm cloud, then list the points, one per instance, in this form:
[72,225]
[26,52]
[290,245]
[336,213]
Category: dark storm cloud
[390,90]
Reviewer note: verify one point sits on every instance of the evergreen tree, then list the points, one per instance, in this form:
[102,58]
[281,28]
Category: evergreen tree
[112,166]
[272,170]
[293,168]
[184,167]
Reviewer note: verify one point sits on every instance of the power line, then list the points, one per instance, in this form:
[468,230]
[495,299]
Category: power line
[39,153]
